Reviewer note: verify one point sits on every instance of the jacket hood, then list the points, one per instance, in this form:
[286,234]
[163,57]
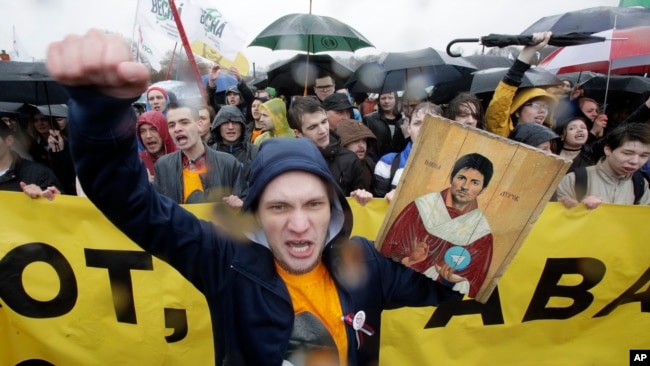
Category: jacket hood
[227,113]
[277,156]
[350,130]
[526,94]
[147,106]
[278,112]
[159,122]
[532,134]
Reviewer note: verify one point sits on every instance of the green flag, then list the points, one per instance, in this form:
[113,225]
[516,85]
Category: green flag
[627,3]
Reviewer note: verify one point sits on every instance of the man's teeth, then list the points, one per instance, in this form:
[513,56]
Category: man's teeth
[299,246]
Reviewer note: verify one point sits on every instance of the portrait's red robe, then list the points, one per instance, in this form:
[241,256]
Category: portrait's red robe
[428,219]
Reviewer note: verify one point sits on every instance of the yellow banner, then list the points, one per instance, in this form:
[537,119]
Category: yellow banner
[206,51]
[75,291]
[575,294]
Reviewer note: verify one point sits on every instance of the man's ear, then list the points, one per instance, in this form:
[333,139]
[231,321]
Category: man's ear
[9,140]
[298,133]
[607,150]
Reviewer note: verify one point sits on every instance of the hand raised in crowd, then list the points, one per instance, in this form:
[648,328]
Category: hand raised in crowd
[34,191]
[599,125]
[55,141]
[235,73]
[540,40]
[233,201]
[215,71]
[99,60]
[576,93]
[361,196]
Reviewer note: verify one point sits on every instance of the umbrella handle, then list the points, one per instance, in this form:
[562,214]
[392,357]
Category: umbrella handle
[460,40]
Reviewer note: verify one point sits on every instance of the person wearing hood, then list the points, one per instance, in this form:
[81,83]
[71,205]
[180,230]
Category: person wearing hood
[535,135]
[299,270]
[308,119]
[196,173]
[510,106]
[154,136]
[357,137]
[273,117]
[227,135]
[239,95]
[157,99]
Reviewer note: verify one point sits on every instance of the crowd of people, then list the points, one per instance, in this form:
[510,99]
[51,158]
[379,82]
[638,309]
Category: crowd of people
[291,162]
[558,120]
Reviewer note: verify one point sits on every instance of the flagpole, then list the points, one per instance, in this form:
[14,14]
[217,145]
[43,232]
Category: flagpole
[135,26]
[188,51]
[304,93]
[171,62]
[609,67]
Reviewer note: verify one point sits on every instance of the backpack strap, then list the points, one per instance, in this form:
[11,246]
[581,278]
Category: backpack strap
[582,179]
[638,181]
[581,182]
[394,166]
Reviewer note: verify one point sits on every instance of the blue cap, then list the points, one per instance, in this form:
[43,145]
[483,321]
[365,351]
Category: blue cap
[280,155]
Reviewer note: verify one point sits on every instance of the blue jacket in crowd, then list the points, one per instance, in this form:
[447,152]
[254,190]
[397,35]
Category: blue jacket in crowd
[250,307]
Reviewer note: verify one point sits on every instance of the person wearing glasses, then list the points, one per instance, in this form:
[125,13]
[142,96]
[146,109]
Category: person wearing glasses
[511,105]
[324,85]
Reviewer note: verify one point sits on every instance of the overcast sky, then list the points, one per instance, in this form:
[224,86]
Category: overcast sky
[399,25]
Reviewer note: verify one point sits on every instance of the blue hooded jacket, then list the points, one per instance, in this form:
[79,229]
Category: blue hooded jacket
[250,307]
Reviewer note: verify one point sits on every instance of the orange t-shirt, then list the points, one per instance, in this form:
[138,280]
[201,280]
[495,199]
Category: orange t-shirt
[314,298]
[255,134]
[192,181]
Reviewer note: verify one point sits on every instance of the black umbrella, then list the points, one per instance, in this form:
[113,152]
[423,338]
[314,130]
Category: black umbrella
[578,77]
[29,82]
[54,110]
[288,77]
[504,40]
[445,92]
[486,81]
[592,20]
[259,82]
[419,69]
[618,97]
[411,71]
[367,78]
[10,107]
[619,85]
[485,61]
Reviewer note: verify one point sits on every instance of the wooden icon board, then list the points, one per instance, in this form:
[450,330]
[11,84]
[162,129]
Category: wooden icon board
[524,179]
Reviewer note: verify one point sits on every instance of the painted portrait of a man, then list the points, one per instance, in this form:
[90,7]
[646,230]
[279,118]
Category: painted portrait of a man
[445,235]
